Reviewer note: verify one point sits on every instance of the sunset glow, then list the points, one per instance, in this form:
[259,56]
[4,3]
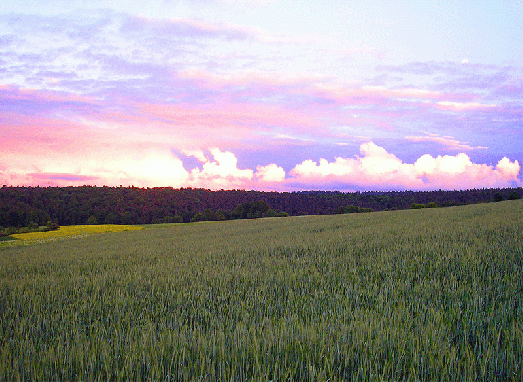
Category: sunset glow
[265,95]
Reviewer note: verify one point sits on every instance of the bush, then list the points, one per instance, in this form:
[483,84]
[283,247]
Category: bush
[417,206]
[10,231]
[271,213]
[198,217]
[350,209]
[173,219]
[52,226]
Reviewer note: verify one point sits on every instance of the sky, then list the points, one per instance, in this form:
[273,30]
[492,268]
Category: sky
[262,94]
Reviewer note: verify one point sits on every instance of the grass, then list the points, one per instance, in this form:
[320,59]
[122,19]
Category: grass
[432,294]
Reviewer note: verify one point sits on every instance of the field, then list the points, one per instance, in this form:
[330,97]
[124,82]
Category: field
[432,294]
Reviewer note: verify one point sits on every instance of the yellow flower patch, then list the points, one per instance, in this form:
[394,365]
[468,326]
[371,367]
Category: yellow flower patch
[74,231]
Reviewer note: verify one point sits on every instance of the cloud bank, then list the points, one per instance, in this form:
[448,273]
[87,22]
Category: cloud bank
[378,169]
[375,169]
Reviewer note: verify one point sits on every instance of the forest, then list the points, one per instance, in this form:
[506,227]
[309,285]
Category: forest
[42,206]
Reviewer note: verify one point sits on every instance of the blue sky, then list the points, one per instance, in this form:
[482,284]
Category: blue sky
[264,94]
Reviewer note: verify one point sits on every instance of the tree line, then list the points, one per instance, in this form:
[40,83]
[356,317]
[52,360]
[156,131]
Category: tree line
[37,206]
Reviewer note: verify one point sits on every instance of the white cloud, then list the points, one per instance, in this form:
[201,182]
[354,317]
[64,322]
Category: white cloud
[460,172]
[270,173]
[150,168]
[377,161]
[374,169]
[507,168]
[379,169]
[223,172]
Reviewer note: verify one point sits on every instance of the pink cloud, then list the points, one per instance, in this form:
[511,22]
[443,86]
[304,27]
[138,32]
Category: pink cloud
[48,150]
[321,101]
[244,78]
[463,106]
[249,2]
[313,84]
[401,92]
[187,27]
[447,141]
[307,84]
[10,92]
[316,99]
[193,28]
[371,94]
[219,122]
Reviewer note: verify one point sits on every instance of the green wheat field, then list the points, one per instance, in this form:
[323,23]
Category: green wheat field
[414,295]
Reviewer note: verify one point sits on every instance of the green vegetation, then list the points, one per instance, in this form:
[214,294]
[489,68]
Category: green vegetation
[417,206]
[350,209]
[428,294]
[32,227]
[250,210]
